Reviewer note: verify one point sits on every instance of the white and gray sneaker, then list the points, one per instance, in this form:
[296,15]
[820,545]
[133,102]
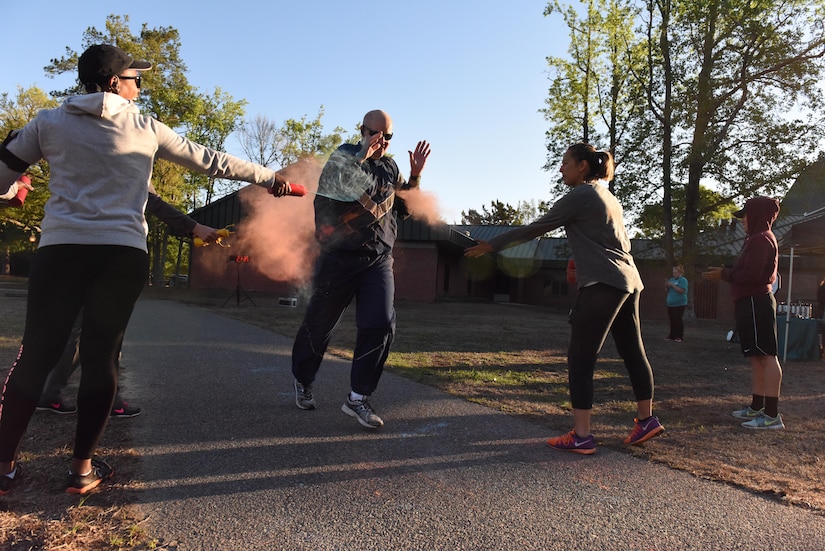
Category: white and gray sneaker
[303,396]
[765,422]
[363,412]
[748,413]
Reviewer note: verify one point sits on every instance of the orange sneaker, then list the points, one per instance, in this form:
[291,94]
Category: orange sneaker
[572,442]
[82,484]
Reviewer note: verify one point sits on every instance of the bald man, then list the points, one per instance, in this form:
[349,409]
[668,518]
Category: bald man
[356,238]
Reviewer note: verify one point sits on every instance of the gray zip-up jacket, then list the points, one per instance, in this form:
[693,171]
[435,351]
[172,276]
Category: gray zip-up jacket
[592,218]
[100,151]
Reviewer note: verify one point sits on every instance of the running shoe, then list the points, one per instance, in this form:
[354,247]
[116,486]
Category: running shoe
[765,422]
[57,407]
[7,482]
[303,396]
[572,442]
[748,413]
[123,409]
[81,484]
[363,412]
[644,431]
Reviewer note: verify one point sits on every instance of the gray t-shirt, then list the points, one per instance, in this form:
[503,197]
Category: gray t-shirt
[592,217]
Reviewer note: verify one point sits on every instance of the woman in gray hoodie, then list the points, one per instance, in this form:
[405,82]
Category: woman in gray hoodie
[92,254]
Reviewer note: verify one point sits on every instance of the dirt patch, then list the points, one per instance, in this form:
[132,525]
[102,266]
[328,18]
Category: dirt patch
[38,514]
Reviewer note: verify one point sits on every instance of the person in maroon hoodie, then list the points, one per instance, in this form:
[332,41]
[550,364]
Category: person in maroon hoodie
[751,281]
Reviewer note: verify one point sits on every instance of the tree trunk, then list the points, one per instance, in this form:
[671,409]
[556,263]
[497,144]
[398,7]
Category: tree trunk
[667,134]
[698,148]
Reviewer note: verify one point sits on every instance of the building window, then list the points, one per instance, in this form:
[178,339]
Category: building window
[555,287]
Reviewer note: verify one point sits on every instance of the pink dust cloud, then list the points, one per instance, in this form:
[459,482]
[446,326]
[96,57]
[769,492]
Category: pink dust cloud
[276,233]
[422,205]
[279,232]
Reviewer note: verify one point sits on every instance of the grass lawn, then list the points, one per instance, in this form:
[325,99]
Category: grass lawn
[513,358]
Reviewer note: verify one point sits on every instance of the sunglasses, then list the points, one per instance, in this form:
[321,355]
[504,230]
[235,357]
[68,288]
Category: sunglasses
[387,135]
[135,78]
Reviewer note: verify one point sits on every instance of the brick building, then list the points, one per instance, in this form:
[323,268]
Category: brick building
[430,265]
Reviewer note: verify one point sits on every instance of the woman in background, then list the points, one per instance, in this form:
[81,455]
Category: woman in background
[677,299]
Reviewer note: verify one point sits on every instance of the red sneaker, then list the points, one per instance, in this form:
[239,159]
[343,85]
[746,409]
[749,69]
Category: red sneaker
[644,431]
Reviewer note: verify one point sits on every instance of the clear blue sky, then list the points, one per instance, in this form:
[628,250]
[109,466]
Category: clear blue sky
[469,77]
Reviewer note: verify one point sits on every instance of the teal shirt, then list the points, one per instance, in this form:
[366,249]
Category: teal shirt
[675,298]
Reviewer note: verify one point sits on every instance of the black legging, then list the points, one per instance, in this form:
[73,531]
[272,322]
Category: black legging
[102,280]
[601,309]
[676,315]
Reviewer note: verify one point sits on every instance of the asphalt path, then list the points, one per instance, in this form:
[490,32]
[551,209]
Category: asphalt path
[228,462]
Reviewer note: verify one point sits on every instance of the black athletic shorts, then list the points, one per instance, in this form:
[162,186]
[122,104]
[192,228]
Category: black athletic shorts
[756,325]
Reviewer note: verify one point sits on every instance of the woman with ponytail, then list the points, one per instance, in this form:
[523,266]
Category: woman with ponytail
[608,285]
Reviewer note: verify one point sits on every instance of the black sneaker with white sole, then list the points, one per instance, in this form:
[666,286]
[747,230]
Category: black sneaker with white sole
[123,409]
[57,407]
[363,412]
[81,484]
[303,396]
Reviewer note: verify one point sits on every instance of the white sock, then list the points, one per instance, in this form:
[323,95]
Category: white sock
[355,397]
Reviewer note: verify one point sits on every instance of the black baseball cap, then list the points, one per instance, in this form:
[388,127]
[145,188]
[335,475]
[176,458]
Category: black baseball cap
[102,61]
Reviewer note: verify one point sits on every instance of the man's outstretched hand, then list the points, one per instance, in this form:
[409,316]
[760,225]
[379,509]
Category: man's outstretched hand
[418,158]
